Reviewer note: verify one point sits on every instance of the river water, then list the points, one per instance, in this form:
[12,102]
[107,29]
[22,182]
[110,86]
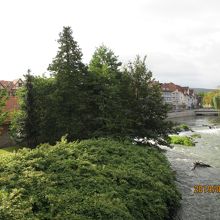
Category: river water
[202,205]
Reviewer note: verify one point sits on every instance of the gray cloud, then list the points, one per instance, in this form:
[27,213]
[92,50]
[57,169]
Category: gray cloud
[190,33]
[181,38]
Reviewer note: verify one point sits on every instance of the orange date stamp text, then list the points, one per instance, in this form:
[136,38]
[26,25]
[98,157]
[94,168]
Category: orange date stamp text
[206,188]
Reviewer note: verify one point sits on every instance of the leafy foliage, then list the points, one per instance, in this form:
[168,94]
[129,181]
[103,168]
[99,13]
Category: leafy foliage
[130,102]
[216,101]
[208,98]
[148,112]
[103,100]
[92,179]
[9,150]
[182,140]
[109,94]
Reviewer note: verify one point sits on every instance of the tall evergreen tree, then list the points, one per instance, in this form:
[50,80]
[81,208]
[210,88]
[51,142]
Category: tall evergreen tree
[31,117]
[24,127]
[68,61]
[37,114]
[70,72]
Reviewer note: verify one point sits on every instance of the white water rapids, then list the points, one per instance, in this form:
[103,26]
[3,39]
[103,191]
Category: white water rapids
[205,205]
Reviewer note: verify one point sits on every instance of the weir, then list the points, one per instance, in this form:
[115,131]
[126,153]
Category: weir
[193,112]
[206,111]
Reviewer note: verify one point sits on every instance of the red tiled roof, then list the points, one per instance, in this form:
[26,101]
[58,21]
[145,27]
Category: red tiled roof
[171,87]
[5,83]
[9,85]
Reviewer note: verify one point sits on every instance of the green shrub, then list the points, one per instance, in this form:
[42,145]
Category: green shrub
[182,140]
[92,179]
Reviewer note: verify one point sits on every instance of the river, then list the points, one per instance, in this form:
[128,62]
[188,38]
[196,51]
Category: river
[203,205]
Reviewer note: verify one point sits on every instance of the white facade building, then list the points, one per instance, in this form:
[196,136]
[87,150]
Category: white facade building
[179,97]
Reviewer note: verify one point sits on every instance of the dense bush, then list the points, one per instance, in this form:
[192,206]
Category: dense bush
[182,140]
[93,179]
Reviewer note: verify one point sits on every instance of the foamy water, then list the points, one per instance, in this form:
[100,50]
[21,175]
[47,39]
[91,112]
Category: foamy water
[203,206]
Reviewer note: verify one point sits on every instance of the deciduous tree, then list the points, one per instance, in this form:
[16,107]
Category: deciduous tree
[147,110]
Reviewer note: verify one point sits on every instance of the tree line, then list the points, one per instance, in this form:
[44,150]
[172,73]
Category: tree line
[211,99]
[101,99]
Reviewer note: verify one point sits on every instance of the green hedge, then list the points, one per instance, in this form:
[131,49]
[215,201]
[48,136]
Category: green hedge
[92,179]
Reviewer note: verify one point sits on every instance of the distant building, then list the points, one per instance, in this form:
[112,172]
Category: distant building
[11,87]
[11,105]
[179,97]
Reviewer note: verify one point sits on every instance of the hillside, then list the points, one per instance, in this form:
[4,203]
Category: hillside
[199,90]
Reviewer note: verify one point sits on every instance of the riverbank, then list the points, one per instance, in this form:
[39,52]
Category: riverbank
[193,112]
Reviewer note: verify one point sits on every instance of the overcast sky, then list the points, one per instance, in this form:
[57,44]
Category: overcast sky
[180,37]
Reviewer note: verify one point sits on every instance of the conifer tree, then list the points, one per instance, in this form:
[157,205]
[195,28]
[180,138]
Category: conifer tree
[68,61]
[70,72]
[30,114]
[24,127]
